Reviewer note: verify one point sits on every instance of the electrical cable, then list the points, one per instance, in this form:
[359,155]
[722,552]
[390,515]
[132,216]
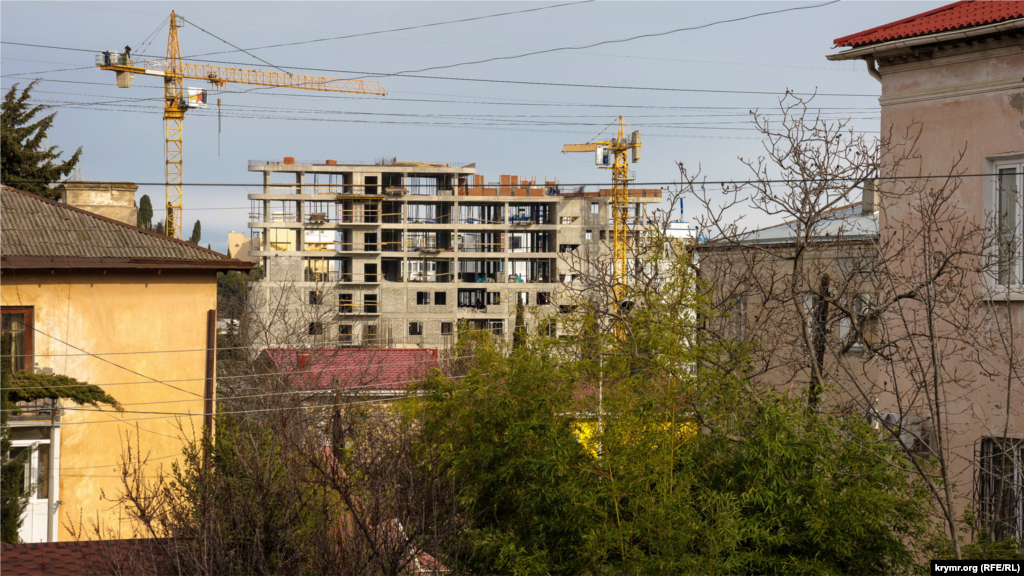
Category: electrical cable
[510,102]
[242,49]
[617,41]
[514,82]
[361,34]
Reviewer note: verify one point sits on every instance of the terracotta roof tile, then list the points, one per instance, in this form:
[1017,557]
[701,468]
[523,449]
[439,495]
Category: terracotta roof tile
[950,17]
[90,558]
[369,368]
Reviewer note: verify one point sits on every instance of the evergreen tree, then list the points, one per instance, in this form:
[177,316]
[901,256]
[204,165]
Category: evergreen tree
[145,213]
[25,162]
[169,222]
[197,233]
[519,334]
[12,499]
[159,229]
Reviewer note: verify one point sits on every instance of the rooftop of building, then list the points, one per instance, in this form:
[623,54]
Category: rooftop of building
[964,14]
[845,223]
[41,233]
[387,164]
[137,556]
[353,368]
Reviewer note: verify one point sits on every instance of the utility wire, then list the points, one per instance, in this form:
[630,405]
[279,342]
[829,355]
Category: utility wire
[514,82]
[243,49]
[617,41]
[361,34]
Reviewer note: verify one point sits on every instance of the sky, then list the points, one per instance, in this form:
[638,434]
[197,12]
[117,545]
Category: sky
[690,93]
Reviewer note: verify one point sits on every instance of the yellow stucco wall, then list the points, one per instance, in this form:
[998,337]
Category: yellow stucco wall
[120,311]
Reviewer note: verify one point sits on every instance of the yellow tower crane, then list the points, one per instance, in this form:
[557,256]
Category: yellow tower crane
[611,155]
[177,101]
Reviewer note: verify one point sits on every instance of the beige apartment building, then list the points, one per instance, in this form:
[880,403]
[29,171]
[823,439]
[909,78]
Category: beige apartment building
[955,77]
[398,253]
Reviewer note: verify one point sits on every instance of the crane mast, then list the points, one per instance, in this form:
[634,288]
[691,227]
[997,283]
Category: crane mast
[174,72]
[174,118]
[611,154]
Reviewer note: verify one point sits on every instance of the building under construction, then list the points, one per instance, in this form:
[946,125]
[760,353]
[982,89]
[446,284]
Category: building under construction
[391,253]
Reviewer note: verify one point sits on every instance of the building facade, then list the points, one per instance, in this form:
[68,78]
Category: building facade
[113,305]
[399,253]
[952,103]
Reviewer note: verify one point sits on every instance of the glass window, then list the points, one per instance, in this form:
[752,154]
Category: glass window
[422,298]
[345,334]
[440,298]
[370,303]
[446,328]
[415,328]
[1008,223]
[595,208]
[17,321]
[589,235]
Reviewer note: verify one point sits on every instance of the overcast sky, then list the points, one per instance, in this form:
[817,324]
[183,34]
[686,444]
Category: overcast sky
[463,116]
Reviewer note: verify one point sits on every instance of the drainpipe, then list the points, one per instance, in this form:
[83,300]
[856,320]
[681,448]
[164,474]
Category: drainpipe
[872,69]
[53,471]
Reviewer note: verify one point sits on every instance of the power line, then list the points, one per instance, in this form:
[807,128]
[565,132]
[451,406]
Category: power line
[240,111]
[575,185]
[361,34]
[617,41]
[515,82]
[510,102]
[747,114]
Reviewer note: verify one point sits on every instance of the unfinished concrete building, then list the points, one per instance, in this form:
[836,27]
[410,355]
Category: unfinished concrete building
[398,253]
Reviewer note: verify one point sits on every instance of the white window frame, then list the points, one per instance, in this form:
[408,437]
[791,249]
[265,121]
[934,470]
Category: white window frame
[595,208]
[996,283]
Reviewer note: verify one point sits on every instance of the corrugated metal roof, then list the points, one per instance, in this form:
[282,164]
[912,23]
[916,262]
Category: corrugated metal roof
[846,223]
[32,226]
[950,17]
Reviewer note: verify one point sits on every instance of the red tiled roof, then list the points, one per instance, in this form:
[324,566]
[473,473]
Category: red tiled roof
[89,558]
[368,368]
[950,17]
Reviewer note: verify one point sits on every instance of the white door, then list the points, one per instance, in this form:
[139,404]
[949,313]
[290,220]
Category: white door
[36,480]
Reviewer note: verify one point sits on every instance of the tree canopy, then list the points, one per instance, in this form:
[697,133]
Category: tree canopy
[644,449]
[145,218]
[197,234]
[28,161]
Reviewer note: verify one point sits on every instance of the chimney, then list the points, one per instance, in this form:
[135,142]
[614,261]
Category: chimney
[869,198]
[115,200]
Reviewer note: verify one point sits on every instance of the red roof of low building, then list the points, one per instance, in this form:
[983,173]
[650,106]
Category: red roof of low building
[367,368]
[950,17]
[87,558]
